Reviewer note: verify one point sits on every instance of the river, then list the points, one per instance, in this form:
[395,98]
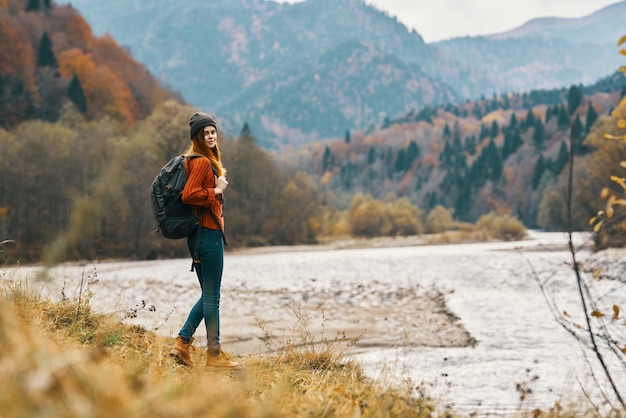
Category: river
[492,289]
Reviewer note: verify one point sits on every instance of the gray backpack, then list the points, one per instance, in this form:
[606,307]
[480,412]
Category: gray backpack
[175,219]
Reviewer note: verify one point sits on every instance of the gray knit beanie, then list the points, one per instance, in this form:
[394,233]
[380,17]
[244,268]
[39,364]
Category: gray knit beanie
[198,121]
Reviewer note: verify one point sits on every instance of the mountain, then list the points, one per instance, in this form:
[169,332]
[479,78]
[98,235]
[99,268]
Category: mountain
[602,27]
[346,88]
[289,71]
[238,57]
[545,53]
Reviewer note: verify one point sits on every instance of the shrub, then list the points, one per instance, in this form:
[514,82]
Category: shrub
[439,220]
[505,227]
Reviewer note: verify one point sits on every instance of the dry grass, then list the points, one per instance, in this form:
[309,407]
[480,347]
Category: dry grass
[58,359]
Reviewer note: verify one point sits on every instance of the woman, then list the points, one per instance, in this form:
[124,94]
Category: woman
[204,189]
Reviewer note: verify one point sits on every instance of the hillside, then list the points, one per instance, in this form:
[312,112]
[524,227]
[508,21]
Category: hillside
[260,61]
[504,154]
[49,57]
[267,54]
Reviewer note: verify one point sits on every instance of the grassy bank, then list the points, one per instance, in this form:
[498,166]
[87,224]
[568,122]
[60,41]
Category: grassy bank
[58,359]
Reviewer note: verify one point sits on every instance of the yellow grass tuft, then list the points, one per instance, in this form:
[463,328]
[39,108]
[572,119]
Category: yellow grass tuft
[58,359]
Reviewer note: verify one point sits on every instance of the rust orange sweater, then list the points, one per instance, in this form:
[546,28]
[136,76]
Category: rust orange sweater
[199,191]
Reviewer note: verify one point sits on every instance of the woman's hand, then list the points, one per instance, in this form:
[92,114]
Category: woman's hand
[220,185]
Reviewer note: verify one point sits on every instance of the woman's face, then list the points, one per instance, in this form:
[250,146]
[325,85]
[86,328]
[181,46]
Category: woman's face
[210,136]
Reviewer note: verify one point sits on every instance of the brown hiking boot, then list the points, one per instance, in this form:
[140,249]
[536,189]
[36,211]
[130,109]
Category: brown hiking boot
[180,351]
[221,360]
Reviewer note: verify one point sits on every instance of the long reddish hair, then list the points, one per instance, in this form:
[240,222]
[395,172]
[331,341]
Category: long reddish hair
[199,146]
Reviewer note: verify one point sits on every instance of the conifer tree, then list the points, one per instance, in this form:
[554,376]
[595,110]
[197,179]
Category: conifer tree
[327,160]
[530,119]
[400,164]
[33,5]
[445,157]
[477,112]
[507,146]
[513,121]
[539,134]
[484,132]
[592,117]
[371,155]
[246,133]
[564,119]
[76,94]
[552,111]
[412,152]
[456,143]
[539,169]
[470,145]
[578,136]
[47,4]
[494,160]
[463,202]
[495,129]
[389,162]
[45,54]
[562,159]
[346,175]
[574,98]
[446,131]
[347,137]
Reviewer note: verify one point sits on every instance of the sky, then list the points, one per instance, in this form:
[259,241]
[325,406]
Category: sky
[437,20]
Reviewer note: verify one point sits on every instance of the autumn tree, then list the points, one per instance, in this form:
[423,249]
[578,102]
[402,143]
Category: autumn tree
[254,195]
[368,217]
[405,218]
[439,219]
[298,220]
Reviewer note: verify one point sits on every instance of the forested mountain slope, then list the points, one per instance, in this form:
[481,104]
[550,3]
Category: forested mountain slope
[50,57]
[505,154]
[283,67]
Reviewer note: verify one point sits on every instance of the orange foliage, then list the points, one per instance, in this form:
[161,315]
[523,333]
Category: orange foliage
[105,91]
[145,89]
[17,58]
[114,83]
[79,30]
[75,61]
[108,94]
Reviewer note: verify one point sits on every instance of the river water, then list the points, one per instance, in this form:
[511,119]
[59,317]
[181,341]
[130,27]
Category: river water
[491,287]
[522,352]
[524,359]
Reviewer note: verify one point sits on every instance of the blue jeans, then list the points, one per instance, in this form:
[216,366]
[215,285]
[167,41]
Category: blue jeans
[209,272]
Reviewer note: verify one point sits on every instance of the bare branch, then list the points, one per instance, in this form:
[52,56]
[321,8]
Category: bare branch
[581,285]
